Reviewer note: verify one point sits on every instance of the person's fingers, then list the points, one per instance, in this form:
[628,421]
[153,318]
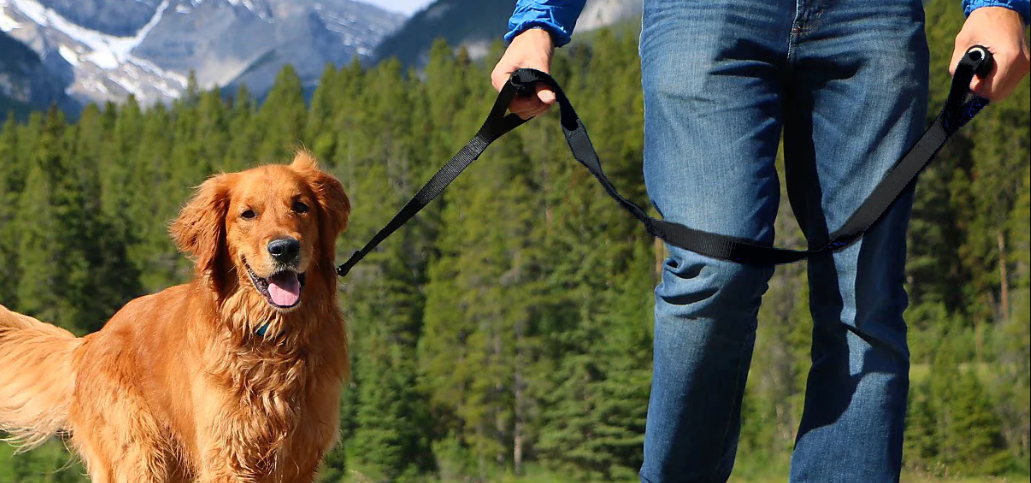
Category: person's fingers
[982,87]
[957,54]
[525,107]
[499,77]
[532,49]
[538,112]
[533,106]
[978,85]
[531,110]
[524,104]
[529,107]
[1001,31]
[1011,65]
[546,95]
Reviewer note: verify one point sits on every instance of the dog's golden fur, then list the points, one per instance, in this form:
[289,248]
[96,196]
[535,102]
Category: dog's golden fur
[179,386]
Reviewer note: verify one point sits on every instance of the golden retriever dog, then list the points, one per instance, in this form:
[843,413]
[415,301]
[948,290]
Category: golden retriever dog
[232,377]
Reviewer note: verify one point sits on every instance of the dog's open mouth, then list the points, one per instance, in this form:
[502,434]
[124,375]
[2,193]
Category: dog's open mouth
[281,289]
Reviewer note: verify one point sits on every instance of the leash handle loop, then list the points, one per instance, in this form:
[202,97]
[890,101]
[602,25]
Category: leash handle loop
[959,110]
[496,125]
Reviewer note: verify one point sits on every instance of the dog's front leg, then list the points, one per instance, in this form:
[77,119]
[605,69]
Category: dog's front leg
[226,460]
[220,475]
[216,467]
[238,446]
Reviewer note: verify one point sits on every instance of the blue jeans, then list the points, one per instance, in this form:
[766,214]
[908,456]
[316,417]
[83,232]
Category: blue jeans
[847,84]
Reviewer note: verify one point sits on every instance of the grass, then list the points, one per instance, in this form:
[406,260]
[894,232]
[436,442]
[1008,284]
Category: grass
[907,477]
[744,472]
[910,477]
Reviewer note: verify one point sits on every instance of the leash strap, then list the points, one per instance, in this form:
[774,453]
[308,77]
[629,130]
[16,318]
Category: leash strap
[497,124]
[957,112]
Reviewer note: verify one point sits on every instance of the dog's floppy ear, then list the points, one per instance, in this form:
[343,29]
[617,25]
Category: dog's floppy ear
[200,230]
[334,207]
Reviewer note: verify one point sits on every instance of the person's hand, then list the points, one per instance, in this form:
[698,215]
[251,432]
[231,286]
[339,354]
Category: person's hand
[1001,30]
[530,49]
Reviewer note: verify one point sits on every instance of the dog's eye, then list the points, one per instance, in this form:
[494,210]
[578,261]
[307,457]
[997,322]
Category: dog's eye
[248,214]
[300,207]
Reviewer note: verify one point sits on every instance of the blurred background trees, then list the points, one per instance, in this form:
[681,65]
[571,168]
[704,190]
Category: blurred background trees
[507,329]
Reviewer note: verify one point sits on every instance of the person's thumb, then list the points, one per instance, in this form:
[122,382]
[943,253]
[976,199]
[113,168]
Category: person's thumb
[545,94]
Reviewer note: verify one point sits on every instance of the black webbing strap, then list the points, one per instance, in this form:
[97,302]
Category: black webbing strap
[958,111]
[496,125]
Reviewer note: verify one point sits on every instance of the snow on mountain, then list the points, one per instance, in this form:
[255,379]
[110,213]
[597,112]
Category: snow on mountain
[120,18]
[103,64]
[223,41]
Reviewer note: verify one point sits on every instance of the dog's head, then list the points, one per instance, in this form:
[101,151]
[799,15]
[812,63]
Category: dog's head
[266,232]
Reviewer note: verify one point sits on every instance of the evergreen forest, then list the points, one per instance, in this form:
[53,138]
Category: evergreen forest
[505,333]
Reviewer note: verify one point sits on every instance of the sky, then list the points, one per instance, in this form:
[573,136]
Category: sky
[406,7]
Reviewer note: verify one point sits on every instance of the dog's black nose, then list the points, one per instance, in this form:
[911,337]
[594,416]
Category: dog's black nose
[284,250]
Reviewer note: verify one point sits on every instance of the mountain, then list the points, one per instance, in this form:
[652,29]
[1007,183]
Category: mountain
[474,24]
[109,49]
[25,82]
[121,18]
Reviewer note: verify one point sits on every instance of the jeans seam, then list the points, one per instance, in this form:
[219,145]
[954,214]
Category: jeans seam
[803,25]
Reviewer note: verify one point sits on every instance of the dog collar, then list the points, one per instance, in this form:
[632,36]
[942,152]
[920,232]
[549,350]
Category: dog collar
[261,330]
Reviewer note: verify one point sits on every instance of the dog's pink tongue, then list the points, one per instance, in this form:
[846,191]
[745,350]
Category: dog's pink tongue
[285,289]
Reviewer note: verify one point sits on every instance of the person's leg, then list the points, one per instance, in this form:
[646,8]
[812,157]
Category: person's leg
[856,102]
[713,110]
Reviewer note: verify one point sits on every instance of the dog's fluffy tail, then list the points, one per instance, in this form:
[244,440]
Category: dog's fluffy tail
[37,378]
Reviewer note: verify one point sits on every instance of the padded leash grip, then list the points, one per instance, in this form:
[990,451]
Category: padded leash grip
[980,59]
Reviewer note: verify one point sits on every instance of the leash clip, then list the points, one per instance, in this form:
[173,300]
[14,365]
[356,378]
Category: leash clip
[344,268]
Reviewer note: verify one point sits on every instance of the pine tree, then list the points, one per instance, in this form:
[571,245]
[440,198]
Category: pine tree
[318,135]
[111,277]
[973,439]
[1014,397]
[156,201]
[43,275]
[281,118]
[11,173]
[922,439]
[212,126]
[593,426]
[387,309]
[242,150]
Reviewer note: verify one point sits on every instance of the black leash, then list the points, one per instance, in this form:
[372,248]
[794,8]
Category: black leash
[957,112]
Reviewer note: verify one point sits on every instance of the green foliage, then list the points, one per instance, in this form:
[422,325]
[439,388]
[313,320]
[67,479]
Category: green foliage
[280,119]
[11,176]
[505,333]
[50,463]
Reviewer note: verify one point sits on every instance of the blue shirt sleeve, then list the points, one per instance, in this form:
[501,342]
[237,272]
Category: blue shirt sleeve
[1023,7]
[558,17]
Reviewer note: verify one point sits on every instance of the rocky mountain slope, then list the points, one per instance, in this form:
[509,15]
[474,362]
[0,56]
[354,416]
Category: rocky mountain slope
[474,24]
[24,81]
[104,50]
